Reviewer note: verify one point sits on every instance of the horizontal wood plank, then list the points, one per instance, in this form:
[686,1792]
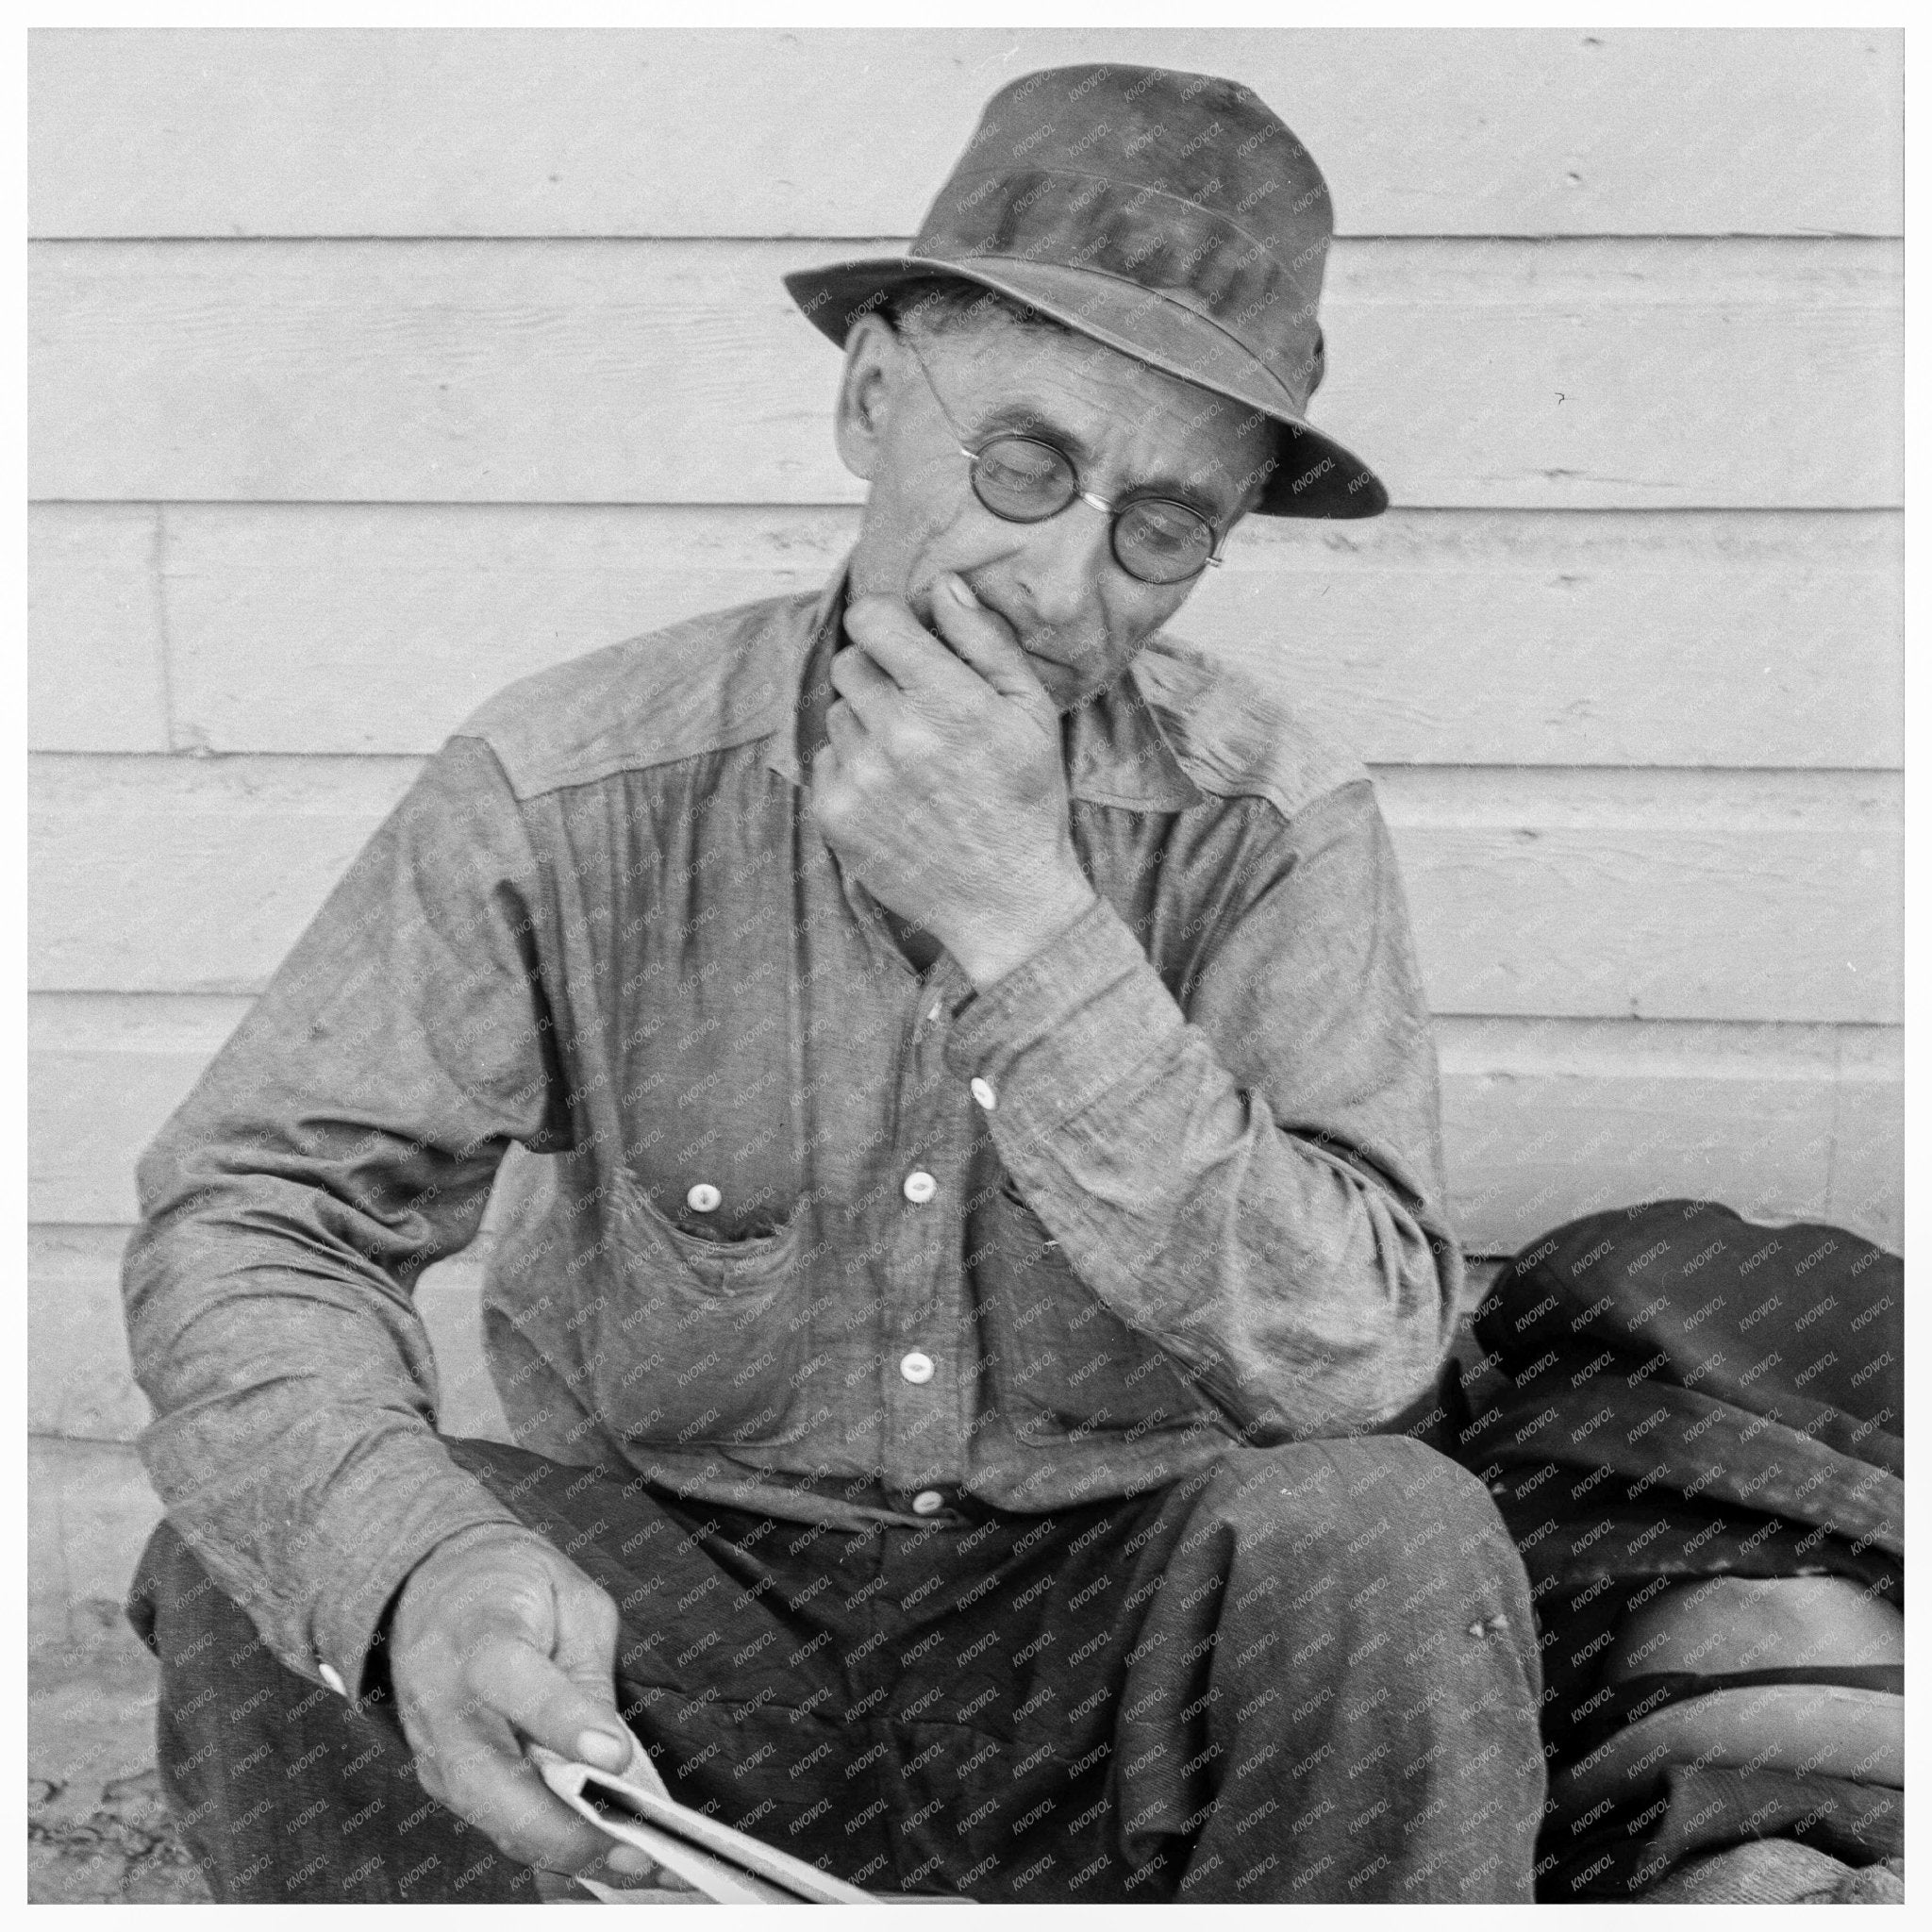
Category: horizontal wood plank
[168,879]
[103,1076]
[1658,894]
[96,678]
[467,132]
[1596,374]
[1542,1121]
[1637,638]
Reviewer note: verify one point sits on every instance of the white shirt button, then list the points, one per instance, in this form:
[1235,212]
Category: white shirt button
[333,1678]
[982,1091]
[935,1012]
[927,1503]
[919,1187]
[703,1198]
[916,1367]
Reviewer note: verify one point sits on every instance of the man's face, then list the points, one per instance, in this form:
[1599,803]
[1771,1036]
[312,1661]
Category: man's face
[1130,429]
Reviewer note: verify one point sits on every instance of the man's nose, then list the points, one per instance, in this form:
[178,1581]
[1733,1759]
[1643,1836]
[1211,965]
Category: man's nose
[1064,561]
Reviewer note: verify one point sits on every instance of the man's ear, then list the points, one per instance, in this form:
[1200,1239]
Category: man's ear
[858,418]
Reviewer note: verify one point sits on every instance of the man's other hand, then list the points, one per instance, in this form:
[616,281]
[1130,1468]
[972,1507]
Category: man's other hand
[941,783]
[497,1639]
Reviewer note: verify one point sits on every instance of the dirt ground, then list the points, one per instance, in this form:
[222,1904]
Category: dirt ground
[96,1828]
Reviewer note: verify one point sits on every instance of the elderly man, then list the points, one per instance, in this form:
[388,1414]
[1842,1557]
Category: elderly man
[976,1177]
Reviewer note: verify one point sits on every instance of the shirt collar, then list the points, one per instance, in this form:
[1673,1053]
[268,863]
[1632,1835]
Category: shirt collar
[1118,752]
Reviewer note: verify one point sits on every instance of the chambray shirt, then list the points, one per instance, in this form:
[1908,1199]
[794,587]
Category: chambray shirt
[788,1223]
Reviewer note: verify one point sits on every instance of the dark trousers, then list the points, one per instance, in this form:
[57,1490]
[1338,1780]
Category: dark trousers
[1305,1674]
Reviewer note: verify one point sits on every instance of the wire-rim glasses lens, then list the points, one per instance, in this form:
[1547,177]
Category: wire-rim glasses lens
[1023,479]
[1162,543]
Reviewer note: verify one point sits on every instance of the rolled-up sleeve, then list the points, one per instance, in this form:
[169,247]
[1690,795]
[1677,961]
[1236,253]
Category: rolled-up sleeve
[1249,1172]
[344,1139]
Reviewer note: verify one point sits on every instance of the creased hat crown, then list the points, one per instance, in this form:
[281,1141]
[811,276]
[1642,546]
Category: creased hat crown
[1183,184]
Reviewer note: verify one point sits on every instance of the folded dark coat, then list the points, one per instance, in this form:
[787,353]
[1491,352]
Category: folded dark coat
[1673,1392]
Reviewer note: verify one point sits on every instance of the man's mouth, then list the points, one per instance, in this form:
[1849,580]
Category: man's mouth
[1043,662]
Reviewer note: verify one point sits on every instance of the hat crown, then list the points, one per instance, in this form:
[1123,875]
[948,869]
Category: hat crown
[1186,185]
[1195,136]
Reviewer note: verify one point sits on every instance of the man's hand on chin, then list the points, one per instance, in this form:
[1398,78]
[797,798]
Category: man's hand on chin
[941,783]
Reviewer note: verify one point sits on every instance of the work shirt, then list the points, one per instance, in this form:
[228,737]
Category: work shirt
[790,1225]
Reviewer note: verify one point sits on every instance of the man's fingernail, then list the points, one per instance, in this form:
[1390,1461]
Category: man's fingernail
[601,1749]
[962,592]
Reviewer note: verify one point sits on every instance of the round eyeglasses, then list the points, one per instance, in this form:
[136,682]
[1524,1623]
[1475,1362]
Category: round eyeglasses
[1023,479]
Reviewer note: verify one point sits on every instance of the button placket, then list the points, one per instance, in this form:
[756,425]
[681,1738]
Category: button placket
[925,1279]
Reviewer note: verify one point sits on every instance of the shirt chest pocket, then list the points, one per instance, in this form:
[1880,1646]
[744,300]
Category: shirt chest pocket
[1061,1363]
[699,1342]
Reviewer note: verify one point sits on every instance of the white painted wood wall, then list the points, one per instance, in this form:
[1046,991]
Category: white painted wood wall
[373,370]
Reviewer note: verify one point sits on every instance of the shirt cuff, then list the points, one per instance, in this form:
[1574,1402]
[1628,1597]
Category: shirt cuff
[1056,1033]
[351,1611]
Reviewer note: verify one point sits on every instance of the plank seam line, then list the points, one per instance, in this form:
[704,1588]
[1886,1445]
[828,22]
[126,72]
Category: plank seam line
[851,506]
[1500,509]
[897,243]
[189,756]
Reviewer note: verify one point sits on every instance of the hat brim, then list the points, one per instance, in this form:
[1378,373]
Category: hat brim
[1832,1730]
[1315,476]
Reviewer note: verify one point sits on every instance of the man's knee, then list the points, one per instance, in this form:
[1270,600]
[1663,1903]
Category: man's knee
[1387,1502]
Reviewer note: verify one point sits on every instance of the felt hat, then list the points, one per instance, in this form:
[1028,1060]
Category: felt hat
[1794,1673]
[1171,216]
